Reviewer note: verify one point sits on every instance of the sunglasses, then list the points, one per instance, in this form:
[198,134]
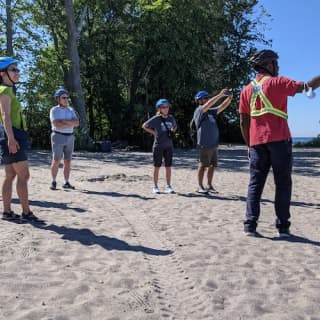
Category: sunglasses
[164,107]
[15,70]
[64,98]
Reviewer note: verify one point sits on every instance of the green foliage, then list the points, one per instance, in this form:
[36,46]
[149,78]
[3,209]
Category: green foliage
[133,52]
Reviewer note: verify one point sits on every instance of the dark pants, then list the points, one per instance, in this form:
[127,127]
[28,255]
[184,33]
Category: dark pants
[277,155]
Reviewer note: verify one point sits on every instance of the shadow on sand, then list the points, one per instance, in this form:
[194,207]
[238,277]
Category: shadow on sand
[88,238]
[116,194]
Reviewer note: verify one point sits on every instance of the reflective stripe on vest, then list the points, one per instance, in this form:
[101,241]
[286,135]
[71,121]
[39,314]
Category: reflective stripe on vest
[267,106]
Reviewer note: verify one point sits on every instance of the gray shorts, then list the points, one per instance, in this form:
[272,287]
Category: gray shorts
[62,146]
[209,157]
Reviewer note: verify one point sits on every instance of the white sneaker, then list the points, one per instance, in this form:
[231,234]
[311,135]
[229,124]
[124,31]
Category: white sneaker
[212,190]
[155,190]
[168,189]
[202,190]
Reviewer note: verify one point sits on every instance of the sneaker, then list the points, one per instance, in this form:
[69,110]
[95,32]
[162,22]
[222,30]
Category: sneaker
[10,216]
[250,230]
[202,190]
[53,185]
[251,233]
[168,189]
[155,190]
[211,189]
[67,185]
[285,233]
[29,217]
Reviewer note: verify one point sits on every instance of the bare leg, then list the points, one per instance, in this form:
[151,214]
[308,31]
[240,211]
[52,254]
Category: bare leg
[201,170]
[168,175]
[210,175]
[156,175]
[22,170]
[66,169]
[54,169]
[7,187]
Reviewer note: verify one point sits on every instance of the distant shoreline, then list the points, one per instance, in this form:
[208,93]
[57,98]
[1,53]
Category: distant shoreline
[302,139]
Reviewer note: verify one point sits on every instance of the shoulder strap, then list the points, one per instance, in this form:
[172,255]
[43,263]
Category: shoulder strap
[164,122]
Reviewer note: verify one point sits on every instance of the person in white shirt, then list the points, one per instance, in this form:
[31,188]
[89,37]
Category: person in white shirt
[63,120]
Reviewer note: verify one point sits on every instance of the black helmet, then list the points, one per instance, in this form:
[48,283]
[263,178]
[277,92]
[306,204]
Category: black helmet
[263,57]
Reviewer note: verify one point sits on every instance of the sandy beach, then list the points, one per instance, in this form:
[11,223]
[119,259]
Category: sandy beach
[112,250]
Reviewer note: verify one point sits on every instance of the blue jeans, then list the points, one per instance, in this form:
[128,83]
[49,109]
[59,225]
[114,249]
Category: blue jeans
[277,155]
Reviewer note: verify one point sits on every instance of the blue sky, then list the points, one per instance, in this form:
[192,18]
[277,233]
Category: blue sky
[293,29]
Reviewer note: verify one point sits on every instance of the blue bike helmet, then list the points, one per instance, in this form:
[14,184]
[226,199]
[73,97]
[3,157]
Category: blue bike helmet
[162,101]
[60,92]
[6,61]
[201,94]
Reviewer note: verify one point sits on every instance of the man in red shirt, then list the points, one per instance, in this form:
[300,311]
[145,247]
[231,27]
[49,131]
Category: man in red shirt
[265,130]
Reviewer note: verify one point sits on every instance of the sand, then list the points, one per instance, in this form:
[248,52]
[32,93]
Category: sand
[112,250]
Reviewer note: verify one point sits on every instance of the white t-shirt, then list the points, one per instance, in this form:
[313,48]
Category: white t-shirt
[59,113]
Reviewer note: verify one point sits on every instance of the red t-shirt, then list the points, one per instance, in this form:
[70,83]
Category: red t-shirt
[269,127]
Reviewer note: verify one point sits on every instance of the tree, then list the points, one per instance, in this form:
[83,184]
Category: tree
[73,75]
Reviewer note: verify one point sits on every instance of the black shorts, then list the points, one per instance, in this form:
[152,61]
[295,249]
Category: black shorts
[160,153]
[9,158]
[6,157]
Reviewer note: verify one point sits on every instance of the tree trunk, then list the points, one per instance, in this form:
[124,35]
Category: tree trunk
[9,29]
[74,81]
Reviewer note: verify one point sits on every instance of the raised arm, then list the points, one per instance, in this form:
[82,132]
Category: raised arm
[224,105]
[214,100]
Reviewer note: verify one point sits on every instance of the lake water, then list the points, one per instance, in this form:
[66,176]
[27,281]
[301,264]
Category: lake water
[302,139]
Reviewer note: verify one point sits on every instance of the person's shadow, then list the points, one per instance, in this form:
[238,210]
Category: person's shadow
[293,238]
[88,238]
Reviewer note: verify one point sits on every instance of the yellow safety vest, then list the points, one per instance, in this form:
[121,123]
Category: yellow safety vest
[267,106]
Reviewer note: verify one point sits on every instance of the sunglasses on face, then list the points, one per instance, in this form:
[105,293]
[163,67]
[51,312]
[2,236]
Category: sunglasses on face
[64,98]
[15,70]
[164,107]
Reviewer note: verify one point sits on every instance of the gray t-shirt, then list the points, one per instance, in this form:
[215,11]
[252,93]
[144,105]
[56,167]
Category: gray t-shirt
[157,123]
[207,128]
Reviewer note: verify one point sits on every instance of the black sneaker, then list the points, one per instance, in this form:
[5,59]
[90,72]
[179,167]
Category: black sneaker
[67,185]
[250,230]
[285,233]
[53,185]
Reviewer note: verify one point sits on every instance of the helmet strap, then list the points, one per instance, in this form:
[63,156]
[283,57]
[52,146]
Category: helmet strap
[13,83]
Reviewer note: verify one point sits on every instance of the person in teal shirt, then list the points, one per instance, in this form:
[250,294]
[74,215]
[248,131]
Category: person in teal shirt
[13,153]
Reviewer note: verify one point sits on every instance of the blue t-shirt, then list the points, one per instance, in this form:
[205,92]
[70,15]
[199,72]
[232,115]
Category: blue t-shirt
[157,123]
[207,128]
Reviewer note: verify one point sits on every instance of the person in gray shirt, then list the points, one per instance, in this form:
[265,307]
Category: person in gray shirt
[204,118]
[63,120]
[162,126]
